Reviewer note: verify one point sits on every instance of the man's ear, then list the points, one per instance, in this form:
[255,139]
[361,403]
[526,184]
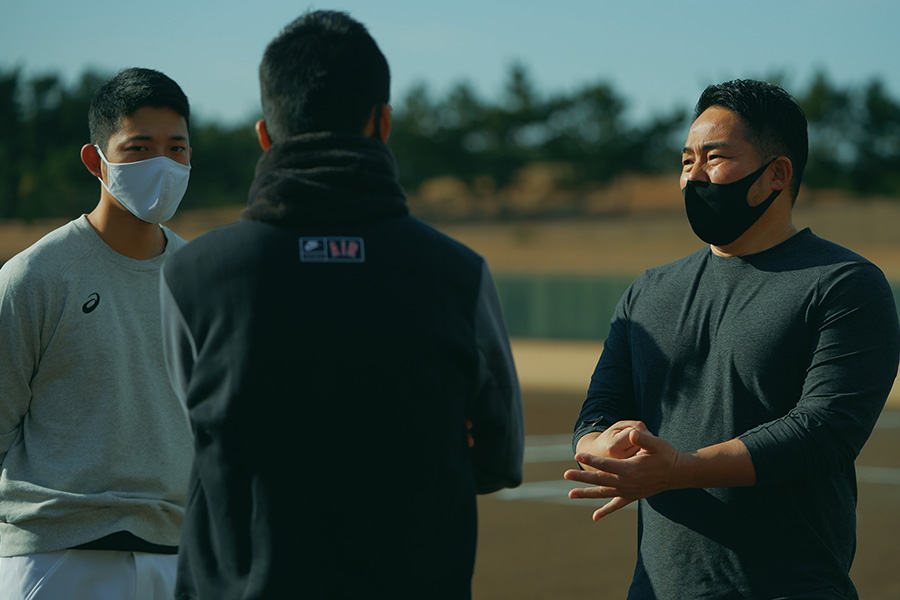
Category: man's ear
[385,124]
[262,134]
[91,159]
[382,112]
[781,175]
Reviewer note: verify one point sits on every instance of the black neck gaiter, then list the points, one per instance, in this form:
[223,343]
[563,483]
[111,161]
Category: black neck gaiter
[320,178]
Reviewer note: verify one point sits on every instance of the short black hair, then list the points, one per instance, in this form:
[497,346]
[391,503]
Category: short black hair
[127,92]
[323,72]
[775,123]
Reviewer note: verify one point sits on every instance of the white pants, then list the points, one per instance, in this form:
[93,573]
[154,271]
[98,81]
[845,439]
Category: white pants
[88,575]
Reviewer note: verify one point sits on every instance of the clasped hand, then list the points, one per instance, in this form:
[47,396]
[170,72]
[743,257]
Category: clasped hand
[625,463]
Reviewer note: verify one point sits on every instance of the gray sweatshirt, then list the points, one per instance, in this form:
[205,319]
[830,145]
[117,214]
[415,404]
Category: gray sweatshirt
[93,439]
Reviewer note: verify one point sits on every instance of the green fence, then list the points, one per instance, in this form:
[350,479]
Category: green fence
[566,307]
[559,307]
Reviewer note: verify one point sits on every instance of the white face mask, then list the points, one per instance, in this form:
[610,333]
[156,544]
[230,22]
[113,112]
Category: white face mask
[150,189]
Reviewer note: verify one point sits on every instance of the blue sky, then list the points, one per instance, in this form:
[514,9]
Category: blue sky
[657,54]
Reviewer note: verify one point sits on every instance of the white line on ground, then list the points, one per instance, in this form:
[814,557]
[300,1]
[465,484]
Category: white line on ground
[889,419]
[551,492]
[555,492]
[878,475]
[558,448]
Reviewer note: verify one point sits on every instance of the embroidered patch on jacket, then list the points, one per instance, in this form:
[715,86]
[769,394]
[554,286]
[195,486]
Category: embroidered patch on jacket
[332,249]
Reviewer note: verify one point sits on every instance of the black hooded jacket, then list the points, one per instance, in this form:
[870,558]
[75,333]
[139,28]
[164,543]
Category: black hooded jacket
[331,349]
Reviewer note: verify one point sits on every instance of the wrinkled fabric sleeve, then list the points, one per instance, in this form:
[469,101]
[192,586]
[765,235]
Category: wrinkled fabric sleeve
[179,348]
[856,342]
[496,411]
[21,309]
[610,396]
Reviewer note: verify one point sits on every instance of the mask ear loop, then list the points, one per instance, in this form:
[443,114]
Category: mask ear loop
[100,152]
[102,158]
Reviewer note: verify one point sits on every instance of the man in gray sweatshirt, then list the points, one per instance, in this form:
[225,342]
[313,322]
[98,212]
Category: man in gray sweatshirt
[95,448]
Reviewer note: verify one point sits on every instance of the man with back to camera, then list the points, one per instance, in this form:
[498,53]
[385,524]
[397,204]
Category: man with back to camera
[95,446]
[738,385]
[331,350]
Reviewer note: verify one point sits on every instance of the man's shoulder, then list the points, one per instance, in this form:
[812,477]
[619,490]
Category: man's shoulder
[432,235]
[51,253]
[838,267]
[677,268]
[174,242]
[812,245]
[225,236]
[56,240]
[818,256]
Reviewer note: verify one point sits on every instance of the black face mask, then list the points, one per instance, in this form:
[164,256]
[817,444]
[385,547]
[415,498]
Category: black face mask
[719,212]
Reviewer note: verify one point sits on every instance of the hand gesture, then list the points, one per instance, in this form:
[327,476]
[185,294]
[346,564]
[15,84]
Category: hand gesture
[634,464]
[615,442]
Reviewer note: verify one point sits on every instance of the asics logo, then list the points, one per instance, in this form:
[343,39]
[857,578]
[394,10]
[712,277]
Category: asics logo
[91,304]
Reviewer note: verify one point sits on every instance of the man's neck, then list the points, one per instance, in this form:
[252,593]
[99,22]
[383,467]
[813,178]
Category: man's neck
[125,233]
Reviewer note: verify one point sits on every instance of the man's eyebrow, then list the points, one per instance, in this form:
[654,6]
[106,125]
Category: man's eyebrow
[707,146]
[143,138]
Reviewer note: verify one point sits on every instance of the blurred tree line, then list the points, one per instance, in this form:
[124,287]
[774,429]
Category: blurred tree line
[854,140]
[468,137]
